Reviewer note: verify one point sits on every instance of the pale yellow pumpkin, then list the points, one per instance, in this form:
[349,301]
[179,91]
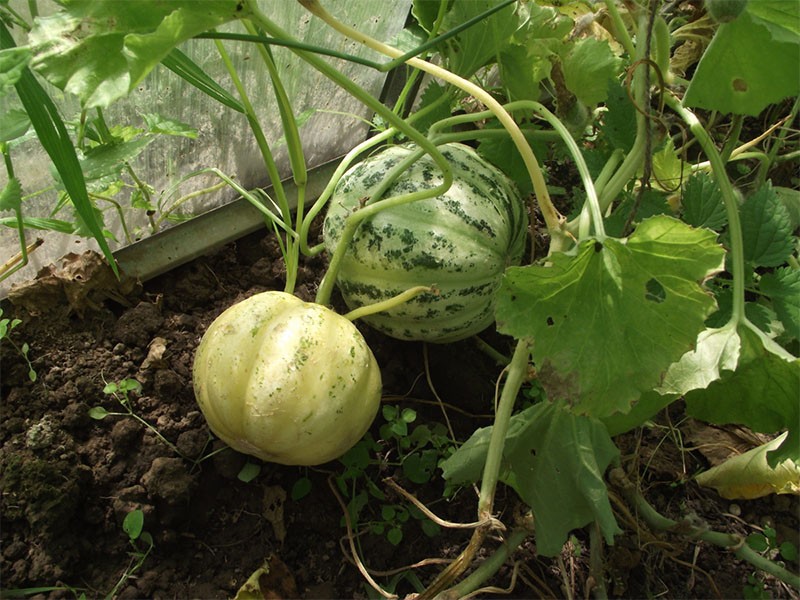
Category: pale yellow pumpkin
[287,381]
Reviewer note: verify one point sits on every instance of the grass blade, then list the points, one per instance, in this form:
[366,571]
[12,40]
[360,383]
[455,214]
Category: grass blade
[55,140]
[180,64]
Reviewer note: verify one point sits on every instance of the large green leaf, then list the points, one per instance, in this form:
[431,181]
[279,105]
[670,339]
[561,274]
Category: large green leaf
[716,350]
[751,62]
[646,407]
[588,66]
[555,460]
[781,17]
[426,12]
[474,47]
[607,320]
[101,50]
[527,60]
[761,393]
[558,463]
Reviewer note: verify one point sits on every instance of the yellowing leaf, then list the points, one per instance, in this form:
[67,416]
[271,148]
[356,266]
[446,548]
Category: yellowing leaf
[749,475]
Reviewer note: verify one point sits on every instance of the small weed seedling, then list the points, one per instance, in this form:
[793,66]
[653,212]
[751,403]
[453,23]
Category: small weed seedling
[6,325]
[142,543]
[122,391]
[419,449]
[416,452]
[765,542]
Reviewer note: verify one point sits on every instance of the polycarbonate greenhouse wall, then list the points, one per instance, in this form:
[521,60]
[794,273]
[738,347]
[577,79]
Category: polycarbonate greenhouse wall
[331,121]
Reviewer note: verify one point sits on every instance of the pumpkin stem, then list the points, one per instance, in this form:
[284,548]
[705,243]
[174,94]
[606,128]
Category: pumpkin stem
[403,297]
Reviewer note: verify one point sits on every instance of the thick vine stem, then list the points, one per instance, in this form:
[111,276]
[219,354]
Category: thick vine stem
[456,568]
[488,567]
[732,542]
[729,197]
[345,164]
[326,194]
[553,219]
[516,373]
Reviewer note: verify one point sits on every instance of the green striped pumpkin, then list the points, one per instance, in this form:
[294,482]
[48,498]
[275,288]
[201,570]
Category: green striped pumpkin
[459,242]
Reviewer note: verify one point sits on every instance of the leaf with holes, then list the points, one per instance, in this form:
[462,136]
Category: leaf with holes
[752,62]
[609,318]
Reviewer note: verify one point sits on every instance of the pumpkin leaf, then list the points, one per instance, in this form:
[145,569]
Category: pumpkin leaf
[609,318]
[479,44]
[588,67]
[101,50]
[555,460]
[761,393]
[752,61]
[716,350]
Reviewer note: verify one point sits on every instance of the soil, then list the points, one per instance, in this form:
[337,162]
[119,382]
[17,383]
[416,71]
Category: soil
[68,480]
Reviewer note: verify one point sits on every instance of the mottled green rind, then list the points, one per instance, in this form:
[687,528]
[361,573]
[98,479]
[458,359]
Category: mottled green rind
[460,242]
